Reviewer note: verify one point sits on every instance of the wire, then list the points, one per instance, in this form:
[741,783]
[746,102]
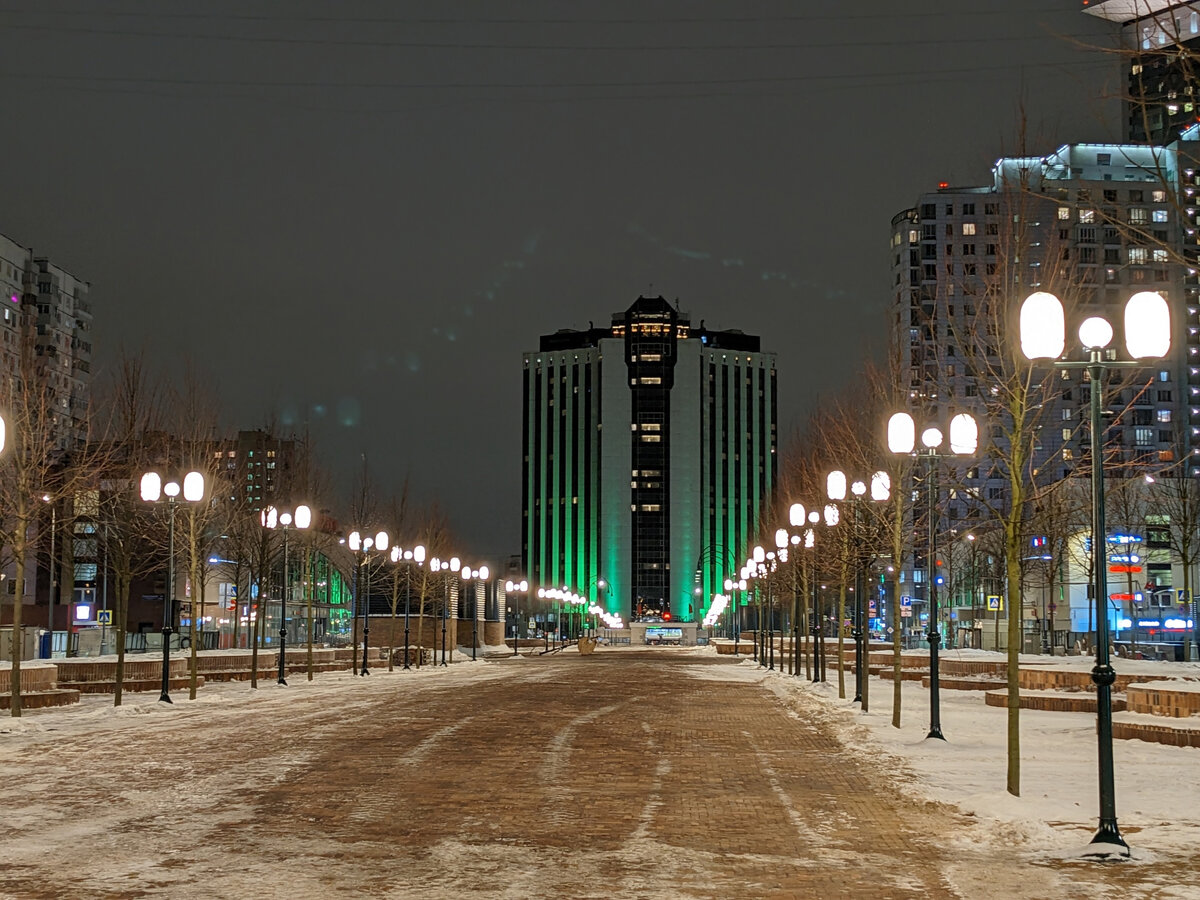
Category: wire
[466,45]
[528,85]
[1004,10]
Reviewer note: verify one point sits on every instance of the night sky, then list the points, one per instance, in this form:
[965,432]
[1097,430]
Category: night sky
[355,216]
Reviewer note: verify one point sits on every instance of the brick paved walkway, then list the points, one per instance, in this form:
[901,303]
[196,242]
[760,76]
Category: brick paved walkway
[625,774]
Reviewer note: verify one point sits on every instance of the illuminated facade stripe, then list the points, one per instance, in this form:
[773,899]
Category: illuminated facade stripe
[649,447]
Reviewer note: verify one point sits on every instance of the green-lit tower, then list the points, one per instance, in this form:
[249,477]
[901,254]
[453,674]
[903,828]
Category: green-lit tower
[649,446]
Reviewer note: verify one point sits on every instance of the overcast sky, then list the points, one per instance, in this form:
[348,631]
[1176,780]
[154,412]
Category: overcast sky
[356,215]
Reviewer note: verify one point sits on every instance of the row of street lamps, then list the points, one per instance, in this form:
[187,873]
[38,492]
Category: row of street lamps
[1043,337]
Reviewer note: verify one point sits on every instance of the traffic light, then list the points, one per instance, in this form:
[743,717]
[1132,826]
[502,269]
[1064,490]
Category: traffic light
[667,616]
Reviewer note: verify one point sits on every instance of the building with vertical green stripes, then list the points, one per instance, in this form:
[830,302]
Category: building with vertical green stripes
[649,448]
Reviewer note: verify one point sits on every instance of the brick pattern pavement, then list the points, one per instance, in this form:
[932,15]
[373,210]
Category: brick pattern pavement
[649,774]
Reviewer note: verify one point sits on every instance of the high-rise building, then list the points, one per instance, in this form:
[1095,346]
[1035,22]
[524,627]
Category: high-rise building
[649,447]
[1159,40]
[1098,222]
[47,314]
[1094,224]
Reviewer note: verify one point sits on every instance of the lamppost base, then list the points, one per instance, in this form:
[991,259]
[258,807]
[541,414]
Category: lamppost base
[163,698]
[282,681]
[1108,843]
[935,733]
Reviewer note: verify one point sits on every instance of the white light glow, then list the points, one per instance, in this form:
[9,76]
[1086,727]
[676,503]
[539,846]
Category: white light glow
[931,438]
[1043,327]
[901,433]
[835,485]
[1147,325]
[1095,333]
[964,434]
[881,486]
[151,487]
[193,487]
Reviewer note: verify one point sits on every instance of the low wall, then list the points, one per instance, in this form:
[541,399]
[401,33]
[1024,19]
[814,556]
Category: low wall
[33,678]
[1158,698]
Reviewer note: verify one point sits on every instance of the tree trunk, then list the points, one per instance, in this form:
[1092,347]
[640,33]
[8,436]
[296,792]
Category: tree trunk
[19,548]
[1012,570]
[123,586]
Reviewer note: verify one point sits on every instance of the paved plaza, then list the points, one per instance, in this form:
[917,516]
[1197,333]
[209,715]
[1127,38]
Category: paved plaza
[640,773]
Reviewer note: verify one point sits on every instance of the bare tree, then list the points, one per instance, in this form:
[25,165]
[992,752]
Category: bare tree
[50,456]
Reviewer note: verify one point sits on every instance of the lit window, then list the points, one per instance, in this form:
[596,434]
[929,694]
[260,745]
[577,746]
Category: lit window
[1087,216]
[1066,433]
[1137,256]
[968,228]
[1064,213]
[1160,215]
[1164,415]
[1138,215]
[1160,255]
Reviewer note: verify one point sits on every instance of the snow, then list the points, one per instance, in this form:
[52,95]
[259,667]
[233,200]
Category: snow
[1056,815]
[1054,818]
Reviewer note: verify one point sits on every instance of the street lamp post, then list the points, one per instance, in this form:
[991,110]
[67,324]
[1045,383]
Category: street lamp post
[153,490]
[363,545]
[881,490]
[406,558]
[510,587]
[468,575]
[734,616]
[46,498]
[964,440]
[831,519]
[272,518]
[1147,336]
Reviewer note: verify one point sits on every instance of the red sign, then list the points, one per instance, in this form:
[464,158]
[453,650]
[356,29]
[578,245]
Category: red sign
[1120,596]
[1124,568]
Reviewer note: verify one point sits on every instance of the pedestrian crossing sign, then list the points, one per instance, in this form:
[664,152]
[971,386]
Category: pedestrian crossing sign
[995,603]
[104,616]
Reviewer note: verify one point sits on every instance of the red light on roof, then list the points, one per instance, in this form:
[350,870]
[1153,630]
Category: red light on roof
[942,185]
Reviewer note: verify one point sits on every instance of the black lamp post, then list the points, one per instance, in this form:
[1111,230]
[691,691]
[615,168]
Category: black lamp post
[468,575]
[510,587]
[964,440]
[733,619]
[881,490]
[153,490]
[1147,336]
[363,545]
[408,558]
[272,518]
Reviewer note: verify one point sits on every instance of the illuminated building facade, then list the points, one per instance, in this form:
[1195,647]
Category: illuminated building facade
[648,446]
[1093,223]
[1159,39]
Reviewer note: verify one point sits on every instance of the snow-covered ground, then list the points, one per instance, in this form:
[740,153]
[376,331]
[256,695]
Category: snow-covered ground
[1157,786]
